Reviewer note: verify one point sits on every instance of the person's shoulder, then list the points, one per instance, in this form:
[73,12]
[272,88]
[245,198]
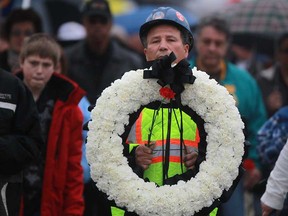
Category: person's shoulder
[5,74]
[4,60]
[239,73]
[74,49]
[8,78]
[62,81]
[66,86]
[12,87]
[192,61]
[237,70]
[283,112]
[123,52]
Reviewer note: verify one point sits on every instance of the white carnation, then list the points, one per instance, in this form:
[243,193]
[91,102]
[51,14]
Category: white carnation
[112,173]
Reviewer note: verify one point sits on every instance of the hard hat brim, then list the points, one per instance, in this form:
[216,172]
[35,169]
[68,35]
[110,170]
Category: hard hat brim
[146,27]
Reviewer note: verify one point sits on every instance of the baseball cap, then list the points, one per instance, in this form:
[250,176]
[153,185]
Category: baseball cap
[96,8]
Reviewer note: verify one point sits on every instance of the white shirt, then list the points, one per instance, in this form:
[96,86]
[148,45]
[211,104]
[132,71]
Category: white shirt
[277,185]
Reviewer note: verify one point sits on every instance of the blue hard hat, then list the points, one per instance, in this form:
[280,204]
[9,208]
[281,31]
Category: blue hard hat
[166,15]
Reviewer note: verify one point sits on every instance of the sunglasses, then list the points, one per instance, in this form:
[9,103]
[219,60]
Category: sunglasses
[98,19]
[18,32]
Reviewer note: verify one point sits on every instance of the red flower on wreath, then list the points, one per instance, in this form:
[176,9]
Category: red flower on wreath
[167,93]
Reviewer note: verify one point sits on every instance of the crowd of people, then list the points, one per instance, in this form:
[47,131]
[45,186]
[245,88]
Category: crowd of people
[47,91]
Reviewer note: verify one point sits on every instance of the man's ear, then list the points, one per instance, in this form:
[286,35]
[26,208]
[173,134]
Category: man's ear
[186,48]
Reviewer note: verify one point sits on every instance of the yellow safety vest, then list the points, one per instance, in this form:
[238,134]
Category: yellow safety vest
[139,136]
[142,128]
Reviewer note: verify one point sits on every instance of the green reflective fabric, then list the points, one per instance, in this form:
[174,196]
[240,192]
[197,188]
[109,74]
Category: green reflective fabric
[117,211]
[214,212]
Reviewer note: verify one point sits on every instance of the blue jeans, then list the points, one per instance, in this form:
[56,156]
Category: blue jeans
[235,205]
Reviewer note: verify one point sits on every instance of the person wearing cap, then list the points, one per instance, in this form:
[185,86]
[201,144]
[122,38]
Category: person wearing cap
[95,62]
[212,44]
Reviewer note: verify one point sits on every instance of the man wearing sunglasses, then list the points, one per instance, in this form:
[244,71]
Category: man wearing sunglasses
[95,62]
[99,59]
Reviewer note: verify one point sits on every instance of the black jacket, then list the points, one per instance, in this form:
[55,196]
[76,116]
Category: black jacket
[20,135]
[4,61]
[20,138]
[94,73]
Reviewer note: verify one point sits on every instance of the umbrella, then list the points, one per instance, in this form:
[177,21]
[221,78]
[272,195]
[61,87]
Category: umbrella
[259,22]
[132,20]
[262,17]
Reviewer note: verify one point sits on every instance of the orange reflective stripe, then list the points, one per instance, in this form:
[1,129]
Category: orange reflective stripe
[192,143]
[175,159]
[197,137]
[172,159]
[143,140]
[157,159]
[138,129]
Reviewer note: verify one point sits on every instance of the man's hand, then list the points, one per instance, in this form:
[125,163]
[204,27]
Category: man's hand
[266,210]
[190,159]
[252,177]
[143,156]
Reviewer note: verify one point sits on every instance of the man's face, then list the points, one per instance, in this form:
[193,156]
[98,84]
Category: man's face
[97,27]
[164,39]
[37,71]
[211,47]
[18,33]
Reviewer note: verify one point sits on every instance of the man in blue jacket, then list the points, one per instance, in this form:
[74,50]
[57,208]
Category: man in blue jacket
[211,47]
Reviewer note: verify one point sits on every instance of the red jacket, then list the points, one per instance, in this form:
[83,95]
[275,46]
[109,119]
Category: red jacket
[62,192]
[62,189]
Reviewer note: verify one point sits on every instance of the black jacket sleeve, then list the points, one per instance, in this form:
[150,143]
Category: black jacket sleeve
[20,133]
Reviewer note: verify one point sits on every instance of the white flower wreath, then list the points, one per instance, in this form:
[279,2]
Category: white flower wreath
[110,169]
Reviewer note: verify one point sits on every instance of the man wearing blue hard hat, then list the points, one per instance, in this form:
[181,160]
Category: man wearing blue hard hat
[165,143]
[167,41]
[174,21]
